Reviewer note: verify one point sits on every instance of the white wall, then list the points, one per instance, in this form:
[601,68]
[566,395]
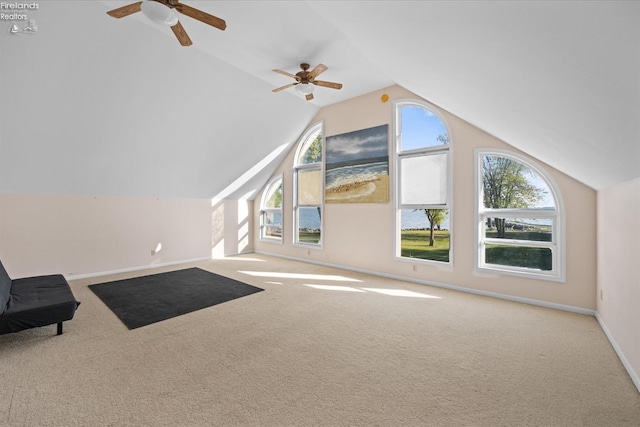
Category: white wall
[360,236]
[619,271]
[78,235]
[232,226]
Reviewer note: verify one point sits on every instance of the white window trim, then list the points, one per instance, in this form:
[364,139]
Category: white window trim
[557,243]
[397,154]
[313,166]
[264,210]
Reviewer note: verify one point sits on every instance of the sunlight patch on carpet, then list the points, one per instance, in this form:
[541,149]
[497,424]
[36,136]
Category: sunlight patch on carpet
[300,276]
[401,293]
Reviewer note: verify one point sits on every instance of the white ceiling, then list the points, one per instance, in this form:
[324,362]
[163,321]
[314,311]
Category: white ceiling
[96,105]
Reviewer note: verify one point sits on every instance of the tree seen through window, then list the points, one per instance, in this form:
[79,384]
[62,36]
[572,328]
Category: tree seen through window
[518,215]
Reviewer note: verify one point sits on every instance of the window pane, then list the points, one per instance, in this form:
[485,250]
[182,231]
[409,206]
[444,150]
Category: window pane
[508,183]
[417,240]
[310,187]
[519,229]
[274,195]
[421,129]
[519,256]
[309,225]
[272,224]
[311,151]
[424,180]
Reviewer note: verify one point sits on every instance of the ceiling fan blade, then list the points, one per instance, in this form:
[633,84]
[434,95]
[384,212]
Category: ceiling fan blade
[309,97]
[123,11]
[181,34]
[288,74]
[328,84]
[284,87]
[320,68]
[201,16]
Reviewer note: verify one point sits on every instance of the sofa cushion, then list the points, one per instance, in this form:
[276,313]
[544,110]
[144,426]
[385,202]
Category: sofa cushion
[5,288]
[38,301]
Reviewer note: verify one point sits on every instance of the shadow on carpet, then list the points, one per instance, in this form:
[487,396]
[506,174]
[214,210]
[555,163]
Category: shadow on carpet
[141,301]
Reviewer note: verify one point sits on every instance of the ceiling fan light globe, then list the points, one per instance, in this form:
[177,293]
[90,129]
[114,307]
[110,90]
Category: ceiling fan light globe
[304,88]
[159,13]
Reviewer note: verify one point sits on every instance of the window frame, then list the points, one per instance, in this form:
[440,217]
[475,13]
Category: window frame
[398,154]
[557,242]
[264,210]
[297,168]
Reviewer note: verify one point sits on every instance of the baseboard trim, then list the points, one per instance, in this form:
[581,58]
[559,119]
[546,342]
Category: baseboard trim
[512,298]
[634,377]
[127,270]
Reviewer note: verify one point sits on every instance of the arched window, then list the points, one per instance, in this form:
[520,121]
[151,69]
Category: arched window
[308,188]
[519,217]
[423,145]
[271,211]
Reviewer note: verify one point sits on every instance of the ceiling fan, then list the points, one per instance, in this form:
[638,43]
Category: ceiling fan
[163,12]
[306,79]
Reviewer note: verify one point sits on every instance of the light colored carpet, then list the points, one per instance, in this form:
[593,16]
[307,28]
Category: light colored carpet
[351,350]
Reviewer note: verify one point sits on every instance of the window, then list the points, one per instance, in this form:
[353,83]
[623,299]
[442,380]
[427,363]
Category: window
[519,217]
[271,211]
[308,182]
[423,183]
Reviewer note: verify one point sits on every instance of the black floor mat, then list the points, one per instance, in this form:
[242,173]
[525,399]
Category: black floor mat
[149,299]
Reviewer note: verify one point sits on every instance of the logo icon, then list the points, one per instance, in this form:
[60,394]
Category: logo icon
[30,28]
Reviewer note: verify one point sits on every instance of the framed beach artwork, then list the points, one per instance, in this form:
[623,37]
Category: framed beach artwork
[357,166]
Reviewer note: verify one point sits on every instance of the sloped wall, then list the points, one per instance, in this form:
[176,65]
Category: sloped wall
[361,236]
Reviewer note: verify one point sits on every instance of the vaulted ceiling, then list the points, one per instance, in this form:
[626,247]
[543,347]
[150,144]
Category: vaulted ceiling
[96,105]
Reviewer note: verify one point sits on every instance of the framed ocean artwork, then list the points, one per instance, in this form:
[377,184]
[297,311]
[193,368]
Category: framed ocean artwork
[357,166]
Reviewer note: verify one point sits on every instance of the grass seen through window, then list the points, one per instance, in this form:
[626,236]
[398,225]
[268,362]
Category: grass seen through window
[415,244]
[521,256]
[309,236]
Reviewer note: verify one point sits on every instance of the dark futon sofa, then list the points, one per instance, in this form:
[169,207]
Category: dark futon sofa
[34,301]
